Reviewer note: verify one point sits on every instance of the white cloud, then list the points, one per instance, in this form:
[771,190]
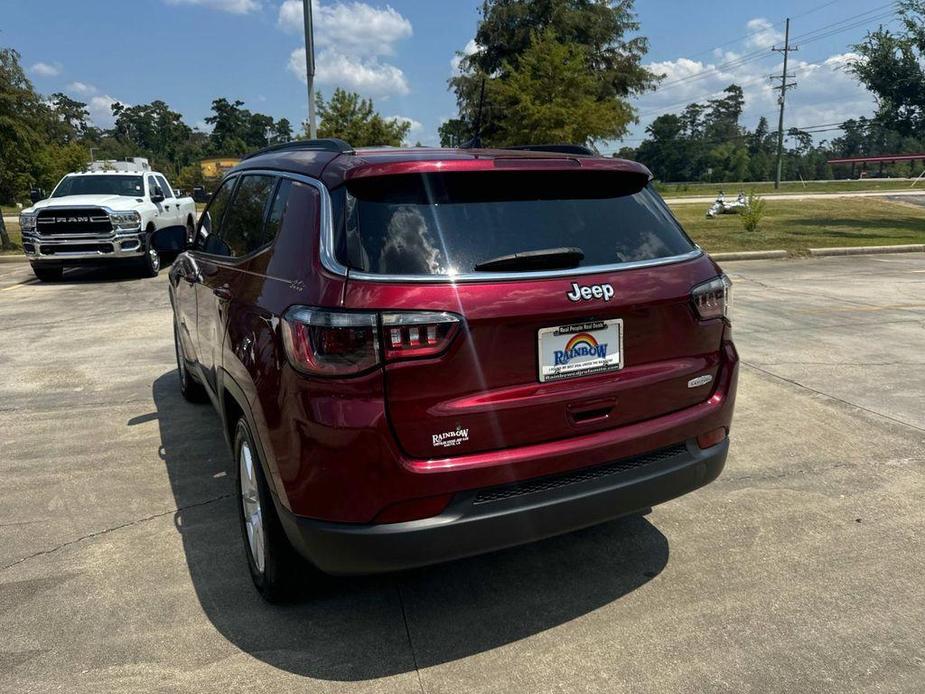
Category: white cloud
[469,49]
[100,108]
[46,69]
[232,6]
[368,76]
[82,88]
[354,28]
[762,34]
[826,91]
[350,40]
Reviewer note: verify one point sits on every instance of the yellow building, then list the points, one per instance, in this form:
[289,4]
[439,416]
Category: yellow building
[216,167]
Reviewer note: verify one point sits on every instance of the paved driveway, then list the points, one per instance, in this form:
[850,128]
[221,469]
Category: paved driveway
[800,570]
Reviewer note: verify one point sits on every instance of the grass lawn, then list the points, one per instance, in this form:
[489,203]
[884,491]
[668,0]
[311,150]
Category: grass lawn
[797,226]
[15,237]
[681,190]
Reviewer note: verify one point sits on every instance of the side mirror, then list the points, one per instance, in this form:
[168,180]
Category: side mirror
[170,239]
[157,195]
[35,195]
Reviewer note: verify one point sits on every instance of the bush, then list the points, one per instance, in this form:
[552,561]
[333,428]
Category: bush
[753,212]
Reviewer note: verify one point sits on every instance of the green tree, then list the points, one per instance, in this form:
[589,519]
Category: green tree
[228,121]
[355,120]
[154,130]
[72,115]
[454,133]
[23,121]
[282,131]
[891,67]
[550,96]
[594,32]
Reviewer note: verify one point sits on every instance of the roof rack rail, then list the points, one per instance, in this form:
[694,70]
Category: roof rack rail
[559,149]
[331,144]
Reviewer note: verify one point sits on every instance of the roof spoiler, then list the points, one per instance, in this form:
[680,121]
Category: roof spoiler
[558,149]
[331,144]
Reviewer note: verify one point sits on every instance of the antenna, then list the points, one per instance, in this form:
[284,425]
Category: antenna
[476,140]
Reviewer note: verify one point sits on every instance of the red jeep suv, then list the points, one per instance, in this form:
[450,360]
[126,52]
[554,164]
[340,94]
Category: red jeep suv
[425,354]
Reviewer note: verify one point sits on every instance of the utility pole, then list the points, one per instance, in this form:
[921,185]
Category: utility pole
[310,66]
[782,99]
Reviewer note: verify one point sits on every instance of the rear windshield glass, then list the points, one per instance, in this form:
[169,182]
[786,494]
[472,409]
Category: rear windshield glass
[443,224]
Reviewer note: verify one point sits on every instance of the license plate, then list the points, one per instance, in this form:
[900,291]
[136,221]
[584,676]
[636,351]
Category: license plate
[580,349]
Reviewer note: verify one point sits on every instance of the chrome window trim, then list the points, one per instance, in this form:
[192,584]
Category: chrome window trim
[526,276]
[330,262]
[326,213]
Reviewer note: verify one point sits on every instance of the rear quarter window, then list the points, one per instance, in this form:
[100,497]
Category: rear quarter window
[444,224]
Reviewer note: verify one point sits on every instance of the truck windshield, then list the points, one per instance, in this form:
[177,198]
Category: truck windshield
[130,186]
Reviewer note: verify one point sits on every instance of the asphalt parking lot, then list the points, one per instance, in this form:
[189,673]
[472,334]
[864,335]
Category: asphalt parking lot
[800,570]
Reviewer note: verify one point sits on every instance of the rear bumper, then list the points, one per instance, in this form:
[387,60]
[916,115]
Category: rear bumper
[486,520]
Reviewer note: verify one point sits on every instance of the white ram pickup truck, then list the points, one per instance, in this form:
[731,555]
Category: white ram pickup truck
[102,216]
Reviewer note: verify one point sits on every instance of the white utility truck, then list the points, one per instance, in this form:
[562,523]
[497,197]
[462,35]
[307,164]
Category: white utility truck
[106,213]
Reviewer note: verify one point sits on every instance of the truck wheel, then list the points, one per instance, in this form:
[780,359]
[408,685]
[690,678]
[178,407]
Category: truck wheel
[151,262]
[47,273]
[274,564]
[190,388]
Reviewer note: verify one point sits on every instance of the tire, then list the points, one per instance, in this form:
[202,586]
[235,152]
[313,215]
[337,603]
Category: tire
[47,273]
[190,388]
[276,569]
[151,261]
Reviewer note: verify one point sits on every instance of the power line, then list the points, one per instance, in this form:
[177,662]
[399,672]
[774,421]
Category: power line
[784,86]
[818,34]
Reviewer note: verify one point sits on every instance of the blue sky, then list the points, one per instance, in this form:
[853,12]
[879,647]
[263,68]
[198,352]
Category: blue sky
[400,53]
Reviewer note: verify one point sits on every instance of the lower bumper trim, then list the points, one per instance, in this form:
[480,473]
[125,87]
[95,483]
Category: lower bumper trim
[475,523]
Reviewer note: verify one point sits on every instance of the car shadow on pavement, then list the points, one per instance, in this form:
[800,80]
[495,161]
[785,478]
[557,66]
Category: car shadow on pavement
[113,271]
[349,629]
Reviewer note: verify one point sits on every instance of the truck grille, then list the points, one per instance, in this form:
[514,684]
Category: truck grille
[545,484]
[78,221]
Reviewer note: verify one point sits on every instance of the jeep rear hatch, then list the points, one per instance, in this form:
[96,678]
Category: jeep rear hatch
[526,306]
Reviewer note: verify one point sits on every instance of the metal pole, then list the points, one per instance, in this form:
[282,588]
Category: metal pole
[783,99]
[310,66]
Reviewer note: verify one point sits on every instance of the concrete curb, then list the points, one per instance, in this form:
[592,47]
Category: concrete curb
[749,255]
[868,250]
[13,259]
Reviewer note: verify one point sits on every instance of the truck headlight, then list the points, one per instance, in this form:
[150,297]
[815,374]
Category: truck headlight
[27,221]
[125,220]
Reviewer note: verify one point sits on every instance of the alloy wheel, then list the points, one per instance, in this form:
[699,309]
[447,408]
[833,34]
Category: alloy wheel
[250,504]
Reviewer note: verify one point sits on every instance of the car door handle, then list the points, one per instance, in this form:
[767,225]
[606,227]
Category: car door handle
[222,293]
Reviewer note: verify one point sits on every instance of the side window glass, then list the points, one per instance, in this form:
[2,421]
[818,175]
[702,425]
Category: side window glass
[152,185]
[165,187]
[277,211]
[208,236]
[243,227]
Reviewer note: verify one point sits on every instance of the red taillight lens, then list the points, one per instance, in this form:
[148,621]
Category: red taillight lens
[713,299]
[330,343]
[420,334]
[711,438]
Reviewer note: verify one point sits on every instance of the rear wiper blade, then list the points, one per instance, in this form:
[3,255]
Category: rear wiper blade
[545,259]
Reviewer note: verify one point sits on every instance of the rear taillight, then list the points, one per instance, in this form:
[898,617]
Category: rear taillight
[420,334]
[713,299]
[321,342]
[330,343]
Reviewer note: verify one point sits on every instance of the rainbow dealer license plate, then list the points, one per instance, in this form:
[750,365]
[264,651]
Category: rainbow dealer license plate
[580,349]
